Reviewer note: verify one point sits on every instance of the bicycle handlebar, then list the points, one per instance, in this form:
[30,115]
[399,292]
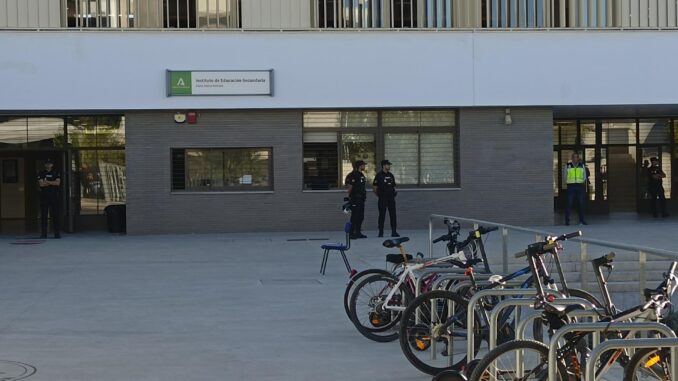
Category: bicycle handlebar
[542,247]
[480,231]
[605,260]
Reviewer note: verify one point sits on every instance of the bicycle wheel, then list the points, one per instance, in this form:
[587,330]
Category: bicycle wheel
[357,278]
[649,364]
[426,342]
[367,307]
[504,363]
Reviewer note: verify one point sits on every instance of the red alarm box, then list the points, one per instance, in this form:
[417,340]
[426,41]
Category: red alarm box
[192,117]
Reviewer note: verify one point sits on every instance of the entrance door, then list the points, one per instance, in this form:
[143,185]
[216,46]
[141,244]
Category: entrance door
[621,178]
[12,195]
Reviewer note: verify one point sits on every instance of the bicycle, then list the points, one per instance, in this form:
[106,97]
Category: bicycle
[396,260]
[385,296]
[441,316]
[500,363]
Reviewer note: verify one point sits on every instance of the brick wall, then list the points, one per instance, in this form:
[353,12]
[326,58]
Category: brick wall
[506,175]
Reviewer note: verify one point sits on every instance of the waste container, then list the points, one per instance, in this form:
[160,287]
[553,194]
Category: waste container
[116,218]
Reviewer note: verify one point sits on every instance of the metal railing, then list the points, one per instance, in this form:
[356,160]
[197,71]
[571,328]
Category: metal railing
[642,251]
[339,14]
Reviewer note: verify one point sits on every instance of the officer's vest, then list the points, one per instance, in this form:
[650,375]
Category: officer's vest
[576,175]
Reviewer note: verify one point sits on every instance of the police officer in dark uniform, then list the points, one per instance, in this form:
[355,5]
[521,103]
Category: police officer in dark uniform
[49,182]
[655,187]
[357,195]
[384,187]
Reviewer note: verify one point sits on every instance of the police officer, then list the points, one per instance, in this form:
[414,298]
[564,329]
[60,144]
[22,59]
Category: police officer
[357,195]
[384,186]
[49,181]
[655,187]
[576,177]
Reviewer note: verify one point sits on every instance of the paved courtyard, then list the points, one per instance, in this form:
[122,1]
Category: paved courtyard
[207,307]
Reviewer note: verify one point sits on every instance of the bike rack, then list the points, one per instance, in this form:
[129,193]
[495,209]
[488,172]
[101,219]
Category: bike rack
[483,282]
[472,307]
[593,327]
[449,273]
[516,302]
[635,344]
[594,314]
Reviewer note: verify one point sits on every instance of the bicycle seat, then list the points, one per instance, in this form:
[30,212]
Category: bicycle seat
[650,292]
[395,242]
[562,310]
[397,259]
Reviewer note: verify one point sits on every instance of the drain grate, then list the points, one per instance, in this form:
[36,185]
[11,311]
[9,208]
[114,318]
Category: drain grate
[27,242]
[290,282]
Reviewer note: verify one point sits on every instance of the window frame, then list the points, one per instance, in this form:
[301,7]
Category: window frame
[254,189]
[380,132]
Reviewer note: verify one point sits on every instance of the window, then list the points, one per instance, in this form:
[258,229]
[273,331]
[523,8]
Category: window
[420,143]
[98,161]
[31,132]
[221,169]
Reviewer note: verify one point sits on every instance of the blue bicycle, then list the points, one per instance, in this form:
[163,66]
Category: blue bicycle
[438,319]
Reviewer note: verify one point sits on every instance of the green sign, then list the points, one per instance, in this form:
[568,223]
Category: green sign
[180,83]
[219,82]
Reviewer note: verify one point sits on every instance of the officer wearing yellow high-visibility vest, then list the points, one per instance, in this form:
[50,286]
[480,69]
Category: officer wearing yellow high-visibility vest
[576,177]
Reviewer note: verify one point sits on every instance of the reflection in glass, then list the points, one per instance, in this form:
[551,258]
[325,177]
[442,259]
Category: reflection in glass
[110,131]
[556,171]
[568,132]
[405,118]
[226,169]
[338,119]
[654,131]
[102,179]
[603,171]
[619,132]
[402,151]
[13,132]
[358,147]
[82,131]
[96,131]
[45,132]
[590,162]
[111,166]
[437,158]
[588,132]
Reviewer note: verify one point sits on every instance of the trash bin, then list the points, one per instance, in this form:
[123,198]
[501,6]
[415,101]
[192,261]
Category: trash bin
[116,218]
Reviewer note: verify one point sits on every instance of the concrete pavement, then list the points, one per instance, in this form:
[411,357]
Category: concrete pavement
[207,307]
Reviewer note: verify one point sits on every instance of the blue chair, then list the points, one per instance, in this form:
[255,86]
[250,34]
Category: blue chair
[340,247]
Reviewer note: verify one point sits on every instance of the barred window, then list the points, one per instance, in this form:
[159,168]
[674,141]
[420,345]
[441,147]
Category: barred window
[221,169]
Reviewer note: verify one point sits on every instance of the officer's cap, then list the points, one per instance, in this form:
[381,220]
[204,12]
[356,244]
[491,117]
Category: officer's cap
[385,162]
[358,163]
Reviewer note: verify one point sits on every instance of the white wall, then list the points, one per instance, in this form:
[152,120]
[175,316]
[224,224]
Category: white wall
[124,71]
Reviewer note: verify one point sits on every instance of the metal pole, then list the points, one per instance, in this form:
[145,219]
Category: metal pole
[600,327]
[583,257]
[608,345]
[642,262]
[504,250]
[430,237]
